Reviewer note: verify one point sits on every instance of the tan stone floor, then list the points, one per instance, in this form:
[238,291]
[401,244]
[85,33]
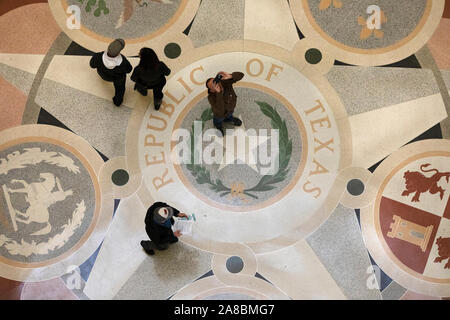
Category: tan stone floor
[357,207]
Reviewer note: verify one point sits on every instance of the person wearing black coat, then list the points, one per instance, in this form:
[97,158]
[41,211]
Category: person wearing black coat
[113,67]
[150,74]
[158,225]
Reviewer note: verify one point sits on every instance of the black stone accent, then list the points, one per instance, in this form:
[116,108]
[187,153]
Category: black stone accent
[120,177]
[172,50]
[313,56]
[375,166]
[340,63]
[105,158]
[46,118]
[188,29]
[235,264]
[410,62]
[257,275]
[355,187]
[76,50]
[358,216]
[206,275]
[432,133]
[384,280]
[116,205]
[299,32]
[86,267]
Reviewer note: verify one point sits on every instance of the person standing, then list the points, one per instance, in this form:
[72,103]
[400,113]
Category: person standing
[223,99]
[113,67]
[158,225]
[150,74]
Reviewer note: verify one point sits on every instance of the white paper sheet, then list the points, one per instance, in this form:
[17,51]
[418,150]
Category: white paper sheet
[184,226]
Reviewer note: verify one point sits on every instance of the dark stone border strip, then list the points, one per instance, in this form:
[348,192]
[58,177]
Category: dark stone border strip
[32,109]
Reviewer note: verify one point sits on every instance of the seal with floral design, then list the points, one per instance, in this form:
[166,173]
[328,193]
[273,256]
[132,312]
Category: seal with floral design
[51,203]
[279,165]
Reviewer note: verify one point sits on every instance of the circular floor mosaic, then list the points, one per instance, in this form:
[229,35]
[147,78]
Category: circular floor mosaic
[346,25]
[411,217]
[387,30]
[127,19]
[47,201]
[240,178]
[228,195]
[94,24]
[52,212]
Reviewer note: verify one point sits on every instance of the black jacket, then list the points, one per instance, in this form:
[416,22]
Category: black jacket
[106,74]
[157,233]
[150,78]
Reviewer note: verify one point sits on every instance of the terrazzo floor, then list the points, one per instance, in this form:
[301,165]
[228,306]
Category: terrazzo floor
[352,101]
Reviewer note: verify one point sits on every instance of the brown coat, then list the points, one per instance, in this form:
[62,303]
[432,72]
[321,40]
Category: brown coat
[223,103]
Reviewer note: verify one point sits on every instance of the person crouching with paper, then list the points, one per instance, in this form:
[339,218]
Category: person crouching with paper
[158,225]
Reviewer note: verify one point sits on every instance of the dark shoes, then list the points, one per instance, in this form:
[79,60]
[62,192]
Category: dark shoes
[158,103]
[144,92]
[220,128]
[173,239]
[147,247]
[117,102]
[236,121]
[162,246]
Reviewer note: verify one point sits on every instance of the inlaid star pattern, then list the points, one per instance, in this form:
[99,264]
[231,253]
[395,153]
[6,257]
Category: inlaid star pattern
[240,147]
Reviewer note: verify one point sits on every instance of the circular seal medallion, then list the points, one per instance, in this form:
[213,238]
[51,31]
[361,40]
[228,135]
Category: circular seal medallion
[126,19]
[411,218]
[366,33]
[277,167]
[50,201]
[248,178]
[94,24]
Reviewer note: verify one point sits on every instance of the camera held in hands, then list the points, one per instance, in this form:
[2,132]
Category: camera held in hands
[218,78]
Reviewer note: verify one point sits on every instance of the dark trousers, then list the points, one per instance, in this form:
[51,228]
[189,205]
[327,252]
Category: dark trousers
[119,86]
[163,242]
[219,121]
[157,91]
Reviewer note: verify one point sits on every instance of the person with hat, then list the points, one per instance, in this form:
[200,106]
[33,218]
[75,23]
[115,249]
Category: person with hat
[158,225]
[113,67]
[223,99]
